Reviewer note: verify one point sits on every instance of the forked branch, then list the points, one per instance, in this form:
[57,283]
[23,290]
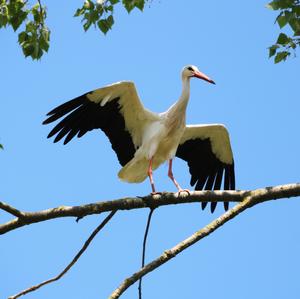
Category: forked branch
[253,198]
[130,203]
[247,199]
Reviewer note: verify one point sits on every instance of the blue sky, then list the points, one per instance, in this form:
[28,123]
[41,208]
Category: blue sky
[254,256]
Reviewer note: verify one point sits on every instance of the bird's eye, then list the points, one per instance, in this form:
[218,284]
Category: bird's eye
[190,68]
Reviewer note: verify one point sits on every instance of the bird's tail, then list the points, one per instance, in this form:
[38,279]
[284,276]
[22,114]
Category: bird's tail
[135,171]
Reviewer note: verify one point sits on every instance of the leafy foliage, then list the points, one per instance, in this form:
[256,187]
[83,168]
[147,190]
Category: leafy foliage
[289,15]
[100,13]
[35,37]
[1,146]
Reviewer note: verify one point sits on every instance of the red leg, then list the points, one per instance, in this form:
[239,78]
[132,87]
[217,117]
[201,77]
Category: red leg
[171,176]
[150,176]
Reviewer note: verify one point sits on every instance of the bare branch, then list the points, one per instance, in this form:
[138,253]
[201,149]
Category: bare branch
[253,198]
[149,201]
[71,264]
[11,210]
[144,249]
[127,203]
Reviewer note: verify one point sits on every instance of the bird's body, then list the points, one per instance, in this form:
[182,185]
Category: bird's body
[160,141]
[143,140]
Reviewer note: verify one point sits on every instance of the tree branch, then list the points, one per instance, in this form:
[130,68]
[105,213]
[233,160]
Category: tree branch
[129,203]
[251,199]
[144,249]
[71,264]
[11,210]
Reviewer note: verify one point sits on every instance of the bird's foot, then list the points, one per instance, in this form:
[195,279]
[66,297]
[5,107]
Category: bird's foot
[184,190]
[155,193]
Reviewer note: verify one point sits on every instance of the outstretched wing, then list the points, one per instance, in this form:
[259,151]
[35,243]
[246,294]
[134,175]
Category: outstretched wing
[115,109]
[207,150]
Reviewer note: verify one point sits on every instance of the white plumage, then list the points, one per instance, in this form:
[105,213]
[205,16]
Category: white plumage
[143,140]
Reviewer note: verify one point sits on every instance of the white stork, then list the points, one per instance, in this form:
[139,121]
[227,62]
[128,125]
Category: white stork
[143,140]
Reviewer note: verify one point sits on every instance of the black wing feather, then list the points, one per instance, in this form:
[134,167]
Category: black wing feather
[217,186]
[69,122]
[206,169]
[232,177]
[226,179]
[209,186]
[80,115]
[63,109]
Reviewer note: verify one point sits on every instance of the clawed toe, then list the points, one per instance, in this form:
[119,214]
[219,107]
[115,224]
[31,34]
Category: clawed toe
[184,190]
[156,193]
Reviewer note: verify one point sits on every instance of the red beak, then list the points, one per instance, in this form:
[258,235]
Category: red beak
[203,77]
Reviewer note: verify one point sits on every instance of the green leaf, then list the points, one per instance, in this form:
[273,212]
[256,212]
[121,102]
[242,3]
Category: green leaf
[282,21]
[106,24]
[28,49]
[293,45]
[30,27]
[272,50]
[79,12]
[131,4]
[103,26]
[280,4]
[283,39]
[18,19]
[110,20]
[113,2]
[37,15]
[94,16]
[272,5]
[87,25]
[44,39]
[1,146]
[45,34]
[3,21]
[296,10]
[16,13]
[36,47]
[3,15]
[140,4]
[281,56]
[23,37]
[295,24]
[109,8]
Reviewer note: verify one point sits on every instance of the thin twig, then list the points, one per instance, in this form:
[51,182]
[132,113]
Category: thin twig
[11,210]
[75,259]
[41,13]
[144,249]
[254,197]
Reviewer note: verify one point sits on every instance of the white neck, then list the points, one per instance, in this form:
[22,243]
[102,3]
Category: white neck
[180,106]
[185,94]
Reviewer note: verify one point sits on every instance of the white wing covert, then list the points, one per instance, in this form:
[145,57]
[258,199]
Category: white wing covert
[115,109]
[207,150]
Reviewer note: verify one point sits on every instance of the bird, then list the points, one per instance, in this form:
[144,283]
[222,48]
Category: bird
[143,140]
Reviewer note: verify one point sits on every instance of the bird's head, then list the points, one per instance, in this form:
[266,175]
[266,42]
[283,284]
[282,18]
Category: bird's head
[190,71]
